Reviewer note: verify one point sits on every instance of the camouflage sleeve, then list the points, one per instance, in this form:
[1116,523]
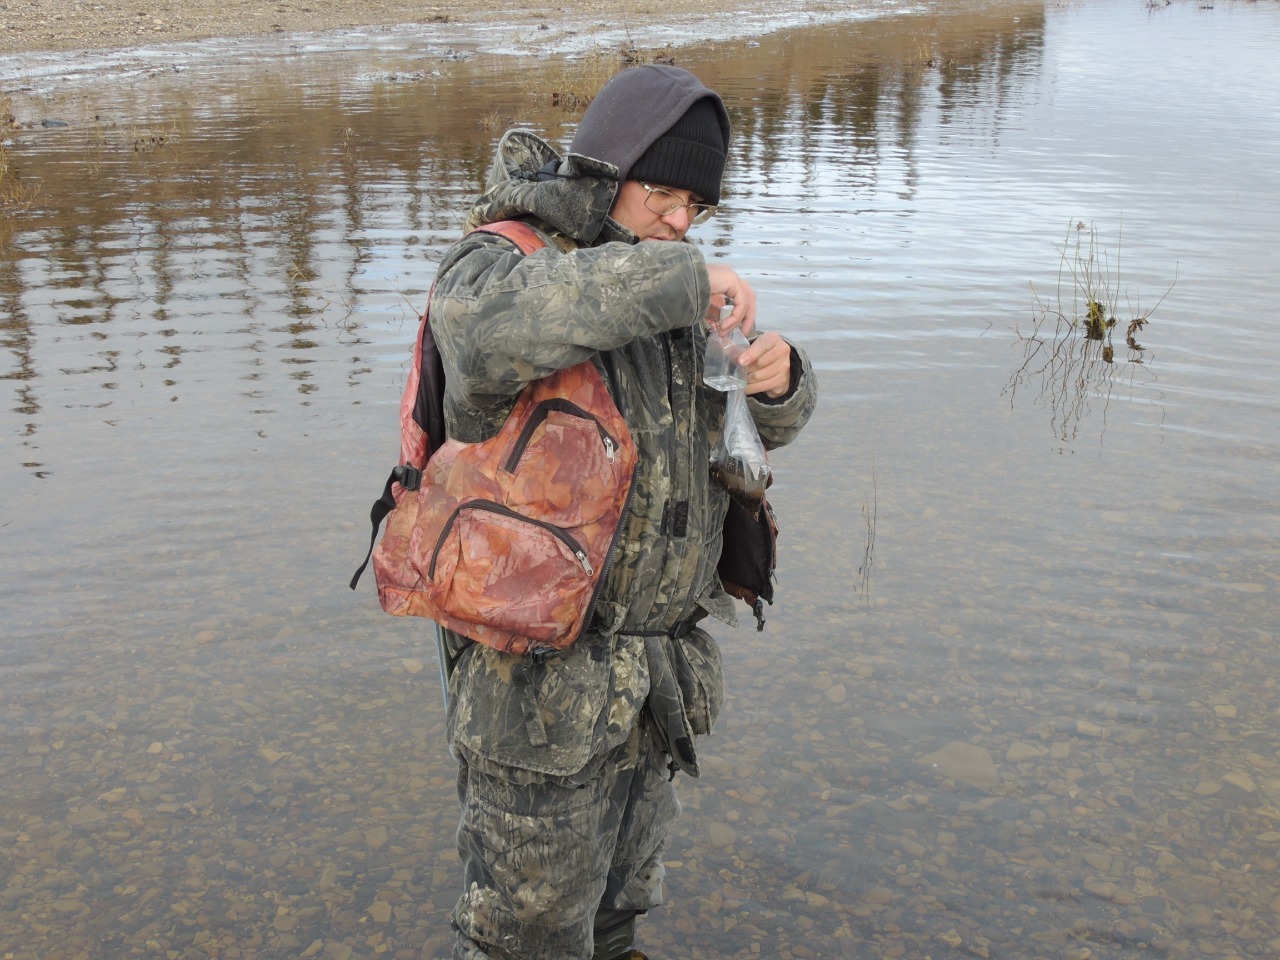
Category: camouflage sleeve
[779,421]
[502,319]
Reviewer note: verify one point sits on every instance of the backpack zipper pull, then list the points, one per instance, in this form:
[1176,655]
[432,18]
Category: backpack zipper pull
[610,449]
[585,561]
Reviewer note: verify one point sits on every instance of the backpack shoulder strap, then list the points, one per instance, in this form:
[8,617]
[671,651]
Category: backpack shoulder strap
[428,406]
[518,232]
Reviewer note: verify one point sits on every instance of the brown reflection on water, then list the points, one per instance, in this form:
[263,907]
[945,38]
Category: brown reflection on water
[887,68]
[225,193]
[173,204]
[172,214]
[212,751]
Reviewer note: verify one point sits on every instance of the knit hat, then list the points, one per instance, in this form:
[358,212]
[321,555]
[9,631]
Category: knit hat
[689,156]
[659,123]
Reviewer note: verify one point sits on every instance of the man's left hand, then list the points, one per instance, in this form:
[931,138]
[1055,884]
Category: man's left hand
[768,365]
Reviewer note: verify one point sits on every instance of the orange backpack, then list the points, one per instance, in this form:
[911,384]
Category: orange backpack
[505,541]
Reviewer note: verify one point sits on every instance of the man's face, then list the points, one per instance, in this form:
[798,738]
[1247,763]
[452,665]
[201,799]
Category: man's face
[634,209]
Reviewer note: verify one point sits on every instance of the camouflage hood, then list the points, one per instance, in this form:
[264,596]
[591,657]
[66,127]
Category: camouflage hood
[572,194]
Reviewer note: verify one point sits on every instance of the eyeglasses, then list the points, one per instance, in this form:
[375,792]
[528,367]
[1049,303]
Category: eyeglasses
[664,203]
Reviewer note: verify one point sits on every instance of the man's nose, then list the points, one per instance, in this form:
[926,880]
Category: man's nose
[679,220]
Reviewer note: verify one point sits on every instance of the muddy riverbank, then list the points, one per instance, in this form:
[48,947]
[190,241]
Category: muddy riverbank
[46,25]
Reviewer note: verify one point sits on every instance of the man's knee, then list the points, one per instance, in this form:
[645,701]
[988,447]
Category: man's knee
[533,872]
[486,929]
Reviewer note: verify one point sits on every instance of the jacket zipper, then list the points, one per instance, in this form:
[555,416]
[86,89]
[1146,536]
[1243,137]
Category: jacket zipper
[612,552]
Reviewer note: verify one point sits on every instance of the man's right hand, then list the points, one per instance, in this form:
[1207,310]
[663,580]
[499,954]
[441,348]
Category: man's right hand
[726,284]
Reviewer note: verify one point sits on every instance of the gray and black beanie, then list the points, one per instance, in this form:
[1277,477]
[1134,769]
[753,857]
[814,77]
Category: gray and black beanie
[658,123]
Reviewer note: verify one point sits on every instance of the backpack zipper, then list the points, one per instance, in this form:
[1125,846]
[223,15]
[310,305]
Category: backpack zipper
[539,416]
[488,505]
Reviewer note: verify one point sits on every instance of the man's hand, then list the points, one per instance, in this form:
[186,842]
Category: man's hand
[727,285]
[768,360]
[768,365]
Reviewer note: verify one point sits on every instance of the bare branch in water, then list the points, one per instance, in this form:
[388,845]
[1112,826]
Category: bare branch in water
[1069,349]
[869,541]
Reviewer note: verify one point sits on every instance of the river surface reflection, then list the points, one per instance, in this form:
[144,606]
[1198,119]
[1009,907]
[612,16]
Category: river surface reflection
[1019,695]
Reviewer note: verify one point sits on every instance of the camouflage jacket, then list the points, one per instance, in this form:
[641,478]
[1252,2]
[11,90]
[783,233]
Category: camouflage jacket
[501,320]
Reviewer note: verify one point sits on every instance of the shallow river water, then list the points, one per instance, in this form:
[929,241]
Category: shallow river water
[1020,694]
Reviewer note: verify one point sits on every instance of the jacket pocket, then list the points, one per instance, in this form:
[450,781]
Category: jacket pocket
[541,714]
[695,659]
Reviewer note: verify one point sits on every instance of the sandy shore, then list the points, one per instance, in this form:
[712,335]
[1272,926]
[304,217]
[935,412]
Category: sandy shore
[65,25]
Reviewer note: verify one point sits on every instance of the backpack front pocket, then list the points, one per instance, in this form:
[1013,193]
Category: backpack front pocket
[493,567]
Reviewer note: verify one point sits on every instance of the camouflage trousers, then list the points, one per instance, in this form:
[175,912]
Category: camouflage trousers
[541,855]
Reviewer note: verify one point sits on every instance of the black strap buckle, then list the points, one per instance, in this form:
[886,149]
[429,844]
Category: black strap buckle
[408,477]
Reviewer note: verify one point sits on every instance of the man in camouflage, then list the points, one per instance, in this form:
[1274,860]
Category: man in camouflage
[566,762]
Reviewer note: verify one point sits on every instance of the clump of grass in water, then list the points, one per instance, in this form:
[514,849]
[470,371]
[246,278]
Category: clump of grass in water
[1070,347]
[15,195]
[1095,294]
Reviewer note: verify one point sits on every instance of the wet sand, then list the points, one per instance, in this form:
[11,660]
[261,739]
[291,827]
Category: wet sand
[44,25]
